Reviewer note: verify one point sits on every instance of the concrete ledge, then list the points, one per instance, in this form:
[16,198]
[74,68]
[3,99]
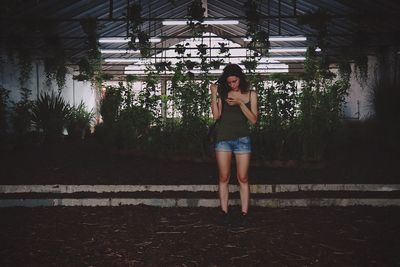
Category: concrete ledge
[254,188]
[171,202]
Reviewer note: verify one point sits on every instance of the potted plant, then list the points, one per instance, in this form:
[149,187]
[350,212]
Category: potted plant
[163,66]
[190,65]
[180,49]
[202,49]
[195,15]
[138,38]
[250,64]
[216,63]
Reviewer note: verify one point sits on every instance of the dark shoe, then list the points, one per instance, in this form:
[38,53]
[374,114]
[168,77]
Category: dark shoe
[223,219]
[242,220]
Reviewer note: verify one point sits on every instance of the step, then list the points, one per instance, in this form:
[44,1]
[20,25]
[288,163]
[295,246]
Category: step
[298,195]
[255,188]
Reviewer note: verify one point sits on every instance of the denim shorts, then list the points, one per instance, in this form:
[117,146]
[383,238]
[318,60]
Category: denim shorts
[237,146]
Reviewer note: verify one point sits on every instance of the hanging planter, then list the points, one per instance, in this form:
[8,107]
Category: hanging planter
[253,17]
[216,63]
[90,65]
[190,65]
[360,55]
[195,15]
[250,64]
[139,40]
[223,49]
[54,61]
[163,66]
[180,49]
[260,42]
[19,48]
[202,49]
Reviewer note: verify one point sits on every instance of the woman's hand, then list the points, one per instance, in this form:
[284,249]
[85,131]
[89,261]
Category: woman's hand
[234,101]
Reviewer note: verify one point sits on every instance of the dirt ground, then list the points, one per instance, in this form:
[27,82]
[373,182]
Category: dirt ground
[91,164]
[150,236]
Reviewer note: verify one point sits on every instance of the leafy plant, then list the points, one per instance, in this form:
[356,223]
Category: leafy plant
[360,56]
[202,49]
[223,49]
[138,38]
[55,59]
[79,121]
[4,100]
[163,66]
[250,64]
[216,63]
[190,65]
[110,104]
[132,125]
[90,65]
[22,113]
[384,98]
[195,14]
[18,46]
[320,106]
[49,115]
[259,38]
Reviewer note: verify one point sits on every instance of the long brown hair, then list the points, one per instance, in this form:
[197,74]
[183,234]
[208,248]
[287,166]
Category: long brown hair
[232,70]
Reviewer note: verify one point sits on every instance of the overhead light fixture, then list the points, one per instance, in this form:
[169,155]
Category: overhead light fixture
[290,49]
[287,58]
[125,60]
[288,38]
[134,72]
[122,40]
[282,39]
[119,51]
[206,21]
[135,67]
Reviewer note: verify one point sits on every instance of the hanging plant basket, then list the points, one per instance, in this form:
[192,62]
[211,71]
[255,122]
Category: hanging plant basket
[196,17]
[223,49]
[250,65]
[163,66]
[202,49]
[190,65]
[180,49]
[216,64]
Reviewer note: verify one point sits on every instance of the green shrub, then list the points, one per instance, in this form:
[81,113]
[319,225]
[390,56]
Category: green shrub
[79,121]
[22,114]
[50,113]
[132,126]
[4,99]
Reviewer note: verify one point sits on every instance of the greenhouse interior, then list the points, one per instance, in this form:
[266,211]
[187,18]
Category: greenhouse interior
[100,97]
[109,62]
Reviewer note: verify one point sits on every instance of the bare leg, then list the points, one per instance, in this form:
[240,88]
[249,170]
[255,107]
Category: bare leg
[242,167]
[224,172]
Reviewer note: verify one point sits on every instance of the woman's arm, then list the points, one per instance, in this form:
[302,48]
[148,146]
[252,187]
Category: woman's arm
[252,113]
[215,102]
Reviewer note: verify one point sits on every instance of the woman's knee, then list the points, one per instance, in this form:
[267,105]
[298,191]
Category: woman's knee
[243,179]
[224,178]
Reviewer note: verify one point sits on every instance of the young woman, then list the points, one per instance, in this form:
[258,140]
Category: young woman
[235,106]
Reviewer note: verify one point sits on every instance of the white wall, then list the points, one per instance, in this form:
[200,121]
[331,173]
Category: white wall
[358,104]
[73,91]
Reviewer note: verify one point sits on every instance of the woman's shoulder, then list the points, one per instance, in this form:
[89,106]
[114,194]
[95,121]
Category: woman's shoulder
[252,91]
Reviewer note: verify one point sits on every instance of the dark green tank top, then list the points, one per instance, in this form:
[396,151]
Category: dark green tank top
[233,123]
